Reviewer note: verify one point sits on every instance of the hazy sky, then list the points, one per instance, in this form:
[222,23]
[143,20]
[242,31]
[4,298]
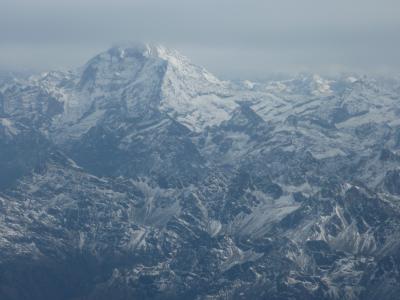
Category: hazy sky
[234,39]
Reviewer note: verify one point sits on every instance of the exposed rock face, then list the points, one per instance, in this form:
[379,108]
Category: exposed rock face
[142,176]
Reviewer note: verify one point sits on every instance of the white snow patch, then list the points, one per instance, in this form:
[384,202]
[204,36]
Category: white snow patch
[214,227]
[8,125]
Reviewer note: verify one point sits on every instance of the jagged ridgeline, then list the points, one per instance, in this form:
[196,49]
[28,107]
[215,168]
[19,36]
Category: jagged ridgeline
[143,176]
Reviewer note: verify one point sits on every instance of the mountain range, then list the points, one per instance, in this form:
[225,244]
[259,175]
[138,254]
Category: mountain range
[143,176]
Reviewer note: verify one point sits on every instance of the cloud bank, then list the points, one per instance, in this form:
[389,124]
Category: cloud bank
[234,39]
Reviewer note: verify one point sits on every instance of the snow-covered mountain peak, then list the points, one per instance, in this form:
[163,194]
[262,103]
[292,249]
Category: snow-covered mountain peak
[186,92]
[314,84]
[127,61]
[146,51]
[135,79]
